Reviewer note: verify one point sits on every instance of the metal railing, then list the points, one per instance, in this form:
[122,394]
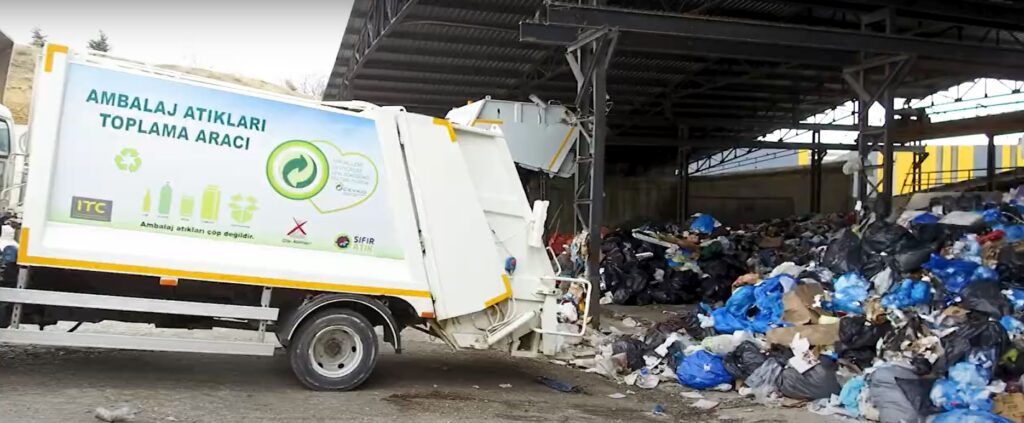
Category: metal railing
[924,181]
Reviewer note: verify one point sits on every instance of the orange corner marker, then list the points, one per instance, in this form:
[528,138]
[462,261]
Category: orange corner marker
[52,49]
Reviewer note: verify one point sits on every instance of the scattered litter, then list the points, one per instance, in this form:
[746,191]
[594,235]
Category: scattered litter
[659,410]
[559,385]
[617,395]
[692,395]
[704,404]
[505,385]
[121,413]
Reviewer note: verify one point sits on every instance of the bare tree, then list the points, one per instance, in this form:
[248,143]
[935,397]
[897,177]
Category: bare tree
[100,44]
[311,84]
[38,38]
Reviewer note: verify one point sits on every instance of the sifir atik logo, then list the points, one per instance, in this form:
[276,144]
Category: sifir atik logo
[354,243]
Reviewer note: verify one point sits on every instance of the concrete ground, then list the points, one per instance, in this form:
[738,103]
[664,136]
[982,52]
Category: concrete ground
[427,382]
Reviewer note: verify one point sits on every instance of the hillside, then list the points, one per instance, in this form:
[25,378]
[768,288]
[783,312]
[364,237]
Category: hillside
[18,96]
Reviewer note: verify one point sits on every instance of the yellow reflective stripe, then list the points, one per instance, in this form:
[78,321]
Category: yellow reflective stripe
[551,166]
[25,259]
[448,125]
[503,296]
[487,121]
[52,49]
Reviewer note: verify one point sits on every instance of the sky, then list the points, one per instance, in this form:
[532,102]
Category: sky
[269,40]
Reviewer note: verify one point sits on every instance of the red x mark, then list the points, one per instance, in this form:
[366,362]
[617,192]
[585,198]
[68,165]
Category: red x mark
[298,227]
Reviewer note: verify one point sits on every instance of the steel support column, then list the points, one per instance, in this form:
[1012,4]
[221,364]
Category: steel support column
[588,59]
[683,188]
[990,163]
[817,157]
[868,91]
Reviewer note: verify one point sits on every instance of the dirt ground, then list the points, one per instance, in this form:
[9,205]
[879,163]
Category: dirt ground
[427,382]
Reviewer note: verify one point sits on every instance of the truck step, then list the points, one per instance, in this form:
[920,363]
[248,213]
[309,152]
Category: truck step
[141,343]
[108,302]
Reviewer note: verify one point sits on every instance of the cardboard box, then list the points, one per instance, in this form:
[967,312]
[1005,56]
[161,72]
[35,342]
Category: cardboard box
[816,334]
[796,304]
[1010,406]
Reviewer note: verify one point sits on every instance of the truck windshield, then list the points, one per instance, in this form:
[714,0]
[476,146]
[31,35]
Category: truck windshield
[5,139]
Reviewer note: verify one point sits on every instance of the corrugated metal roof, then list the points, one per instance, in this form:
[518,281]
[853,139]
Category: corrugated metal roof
[441,53]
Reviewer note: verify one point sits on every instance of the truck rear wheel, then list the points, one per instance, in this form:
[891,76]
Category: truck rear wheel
[334,350]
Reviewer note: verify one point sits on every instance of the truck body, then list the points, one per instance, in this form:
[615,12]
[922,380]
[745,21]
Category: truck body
[161,198]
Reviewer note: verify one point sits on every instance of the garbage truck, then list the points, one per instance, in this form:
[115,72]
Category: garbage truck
[161,198]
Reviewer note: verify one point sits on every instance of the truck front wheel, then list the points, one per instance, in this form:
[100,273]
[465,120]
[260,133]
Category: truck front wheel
[334,350]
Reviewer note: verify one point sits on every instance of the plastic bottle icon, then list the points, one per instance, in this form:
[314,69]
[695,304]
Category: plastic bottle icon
[165,199]
[188,205]
[147,201]
[210,209]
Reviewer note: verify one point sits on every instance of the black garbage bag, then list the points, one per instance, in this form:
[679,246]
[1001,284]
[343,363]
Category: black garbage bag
[857,339]
[893,403]
[843,254]
[742,361]
[633,348]
[686,322]
[684,285]
[1011,364]
[661,295]
[911,252]
[816,383]
[931,233]
[883,237]
[977,334]
[1011,265]
[912,330]
[985,297]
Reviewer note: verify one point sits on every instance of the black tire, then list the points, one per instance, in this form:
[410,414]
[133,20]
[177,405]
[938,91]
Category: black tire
[350,324]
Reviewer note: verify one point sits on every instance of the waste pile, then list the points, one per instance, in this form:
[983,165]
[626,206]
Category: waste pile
[895,321]
[667,264]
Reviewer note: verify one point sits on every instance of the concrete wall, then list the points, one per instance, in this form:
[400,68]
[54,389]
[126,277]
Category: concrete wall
[736,198]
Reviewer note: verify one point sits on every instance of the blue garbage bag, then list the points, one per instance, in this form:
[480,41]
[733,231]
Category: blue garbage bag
[1013,233]
[1013,326]
[925,219]
[1016,297]
[992,216]
[766,297]
[848,396]
[851,291]
[970,416]
[965,388]
[908,293]
[983,273]
[702,370]
[704,223]
[954,274]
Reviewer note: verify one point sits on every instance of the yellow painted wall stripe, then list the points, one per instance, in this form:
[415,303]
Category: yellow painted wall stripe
[904,162]
[803,157]
[448,125]
[487,121]
[551,166]
[52,49]
[25,259]
[1005,157]
[947,165]
[964,162]
[503,296]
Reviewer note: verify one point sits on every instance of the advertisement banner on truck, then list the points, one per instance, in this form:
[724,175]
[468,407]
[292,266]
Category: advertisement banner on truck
[150,154]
